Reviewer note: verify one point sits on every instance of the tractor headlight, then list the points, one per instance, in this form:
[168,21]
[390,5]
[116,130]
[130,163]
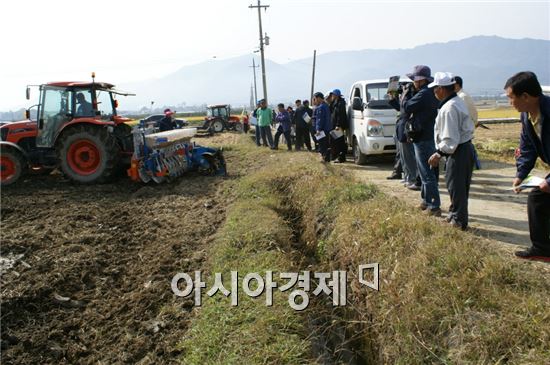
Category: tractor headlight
[374,128]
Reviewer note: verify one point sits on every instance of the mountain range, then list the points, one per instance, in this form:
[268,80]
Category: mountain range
[484,62]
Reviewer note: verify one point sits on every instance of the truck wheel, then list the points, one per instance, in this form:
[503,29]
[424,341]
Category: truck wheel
[88,154]
[358,157]
[12,166]
[217,125]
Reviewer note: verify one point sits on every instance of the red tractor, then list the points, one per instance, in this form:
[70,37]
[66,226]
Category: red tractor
[77,129]
[219,118]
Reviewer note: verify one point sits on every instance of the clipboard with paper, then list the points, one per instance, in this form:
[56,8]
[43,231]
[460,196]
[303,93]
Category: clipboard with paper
[306,118]
[336,134]
[320,135]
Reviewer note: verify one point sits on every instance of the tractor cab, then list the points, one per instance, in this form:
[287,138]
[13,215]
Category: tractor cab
[66,103]
[218,111]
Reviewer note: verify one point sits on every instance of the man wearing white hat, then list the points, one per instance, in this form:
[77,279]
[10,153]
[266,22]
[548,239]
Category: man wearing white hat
[453,133]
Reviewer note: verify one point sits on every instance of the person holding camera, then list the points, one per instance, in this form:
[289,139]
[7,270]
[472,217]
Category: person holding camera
[422,108]
[404,145]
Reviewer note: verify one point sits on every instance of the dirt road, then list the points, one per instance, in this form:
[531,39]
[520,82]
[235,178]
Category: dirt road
[495,211]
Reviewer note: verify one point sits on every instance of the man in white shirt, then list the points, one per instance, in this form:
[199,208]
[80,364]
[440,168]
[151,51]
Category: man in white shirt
[453,133]
[466,98]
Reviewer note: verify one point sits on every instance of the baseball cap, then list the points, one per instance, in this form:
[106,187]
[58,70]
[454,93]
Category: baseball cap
[337,92]
[168,112]
[442,79]
[319,94]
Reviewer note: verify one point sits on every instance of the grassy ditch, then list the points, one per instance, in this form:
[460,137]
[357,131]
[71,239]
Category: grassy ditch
[445,296]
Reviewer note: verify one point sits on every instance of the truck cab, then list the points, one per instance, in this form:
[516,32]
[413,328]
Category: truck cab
[372,120]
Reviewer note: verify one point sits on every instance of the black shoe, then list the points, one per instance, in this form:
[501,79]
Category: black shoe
[434,212]
[394,176]
[456,224]
[533,253]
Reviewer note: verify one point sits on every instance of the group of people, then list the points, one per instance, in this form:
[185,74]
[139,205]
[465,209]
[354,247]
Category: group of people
[437,121]
[325,125]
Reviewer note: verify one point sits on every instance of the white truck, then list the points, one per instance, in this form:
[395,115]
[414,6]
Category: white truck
[372,120]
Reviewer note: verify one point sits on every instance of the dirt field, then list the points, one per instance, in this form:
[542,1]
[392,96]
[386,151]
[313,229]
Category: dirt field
[89,282]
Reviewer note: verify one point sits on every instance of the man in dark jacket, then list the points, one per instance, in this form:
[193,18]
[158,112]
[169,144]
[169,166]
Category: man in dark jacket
[422,108]
[339,119]
[405,147]
[525,95]
[323,126]
[285,124]
[302,127]
[167,123]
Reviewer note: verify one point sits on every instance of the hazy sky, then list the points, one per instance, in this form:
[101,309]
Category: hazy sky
[123,40]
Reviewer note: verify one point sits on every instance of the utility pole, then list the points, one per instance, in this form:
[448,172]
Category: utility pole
[313,75]
[255,87]
[259,6]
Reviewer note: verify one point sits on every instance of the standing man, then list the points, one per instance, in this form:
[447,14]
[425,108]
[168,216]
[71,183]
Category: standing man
[285,123]
[405,147]
[471,109]
[454,130]
[525,95]
[323,126]
[339,119]
[311,124]
[302,127]
[422,108]
[167,122]
[256,126]
[265,115]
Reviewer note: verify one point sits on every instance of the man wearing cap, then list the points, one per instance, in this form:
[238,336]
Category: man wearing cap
[525,95]
[167,122]
[453,133]
[422,108]
[339,119]
[321,115]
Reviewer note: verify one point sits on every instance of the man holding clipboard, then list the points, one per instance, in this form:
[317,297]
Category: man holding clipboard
[323,126]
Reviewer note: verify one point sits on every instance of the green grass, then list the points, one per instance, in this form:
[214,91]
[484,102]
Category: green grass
[446,296]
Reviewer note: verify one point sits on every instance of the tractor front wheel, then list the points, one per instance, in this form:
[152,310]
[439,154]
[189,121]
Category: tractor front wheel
[12,166]
[88,154]
[239,127]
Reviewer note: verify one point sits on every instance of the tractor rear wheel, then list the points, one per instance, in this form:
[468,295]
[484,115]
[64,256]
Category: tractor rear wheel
[217,125]
[12,166]
[88,154]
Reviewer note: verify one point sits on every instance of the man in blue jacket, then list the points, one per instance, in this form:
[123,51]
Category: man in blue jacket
[525,95]
[321,115]
[422,108]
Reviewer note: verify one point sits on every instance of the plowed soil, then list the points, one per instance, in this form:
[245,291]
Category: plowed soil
[86,270]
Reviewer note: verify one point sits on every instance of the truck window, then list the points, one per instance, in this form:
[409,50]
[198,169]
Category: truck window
[377,97]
